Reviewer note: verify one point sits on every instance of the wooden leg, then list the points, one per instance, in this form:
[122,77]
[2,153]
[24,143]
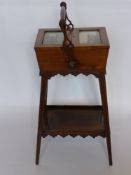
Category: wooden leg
[102,83]
[41,123]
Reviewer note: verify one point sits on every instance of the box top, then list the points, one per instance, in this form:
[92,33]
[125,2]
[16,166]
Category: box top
[80,37]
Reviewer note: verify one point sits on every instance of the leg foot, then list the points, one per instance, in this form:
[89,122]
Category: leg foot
[108,140]
[38,149]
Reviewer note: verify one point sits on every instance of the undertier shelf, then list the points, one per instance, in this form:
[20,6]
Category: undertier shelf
[74,120]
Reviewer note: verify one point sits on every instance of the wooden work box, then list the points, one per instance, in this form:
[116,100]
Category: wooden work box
[90,49]
[70,50]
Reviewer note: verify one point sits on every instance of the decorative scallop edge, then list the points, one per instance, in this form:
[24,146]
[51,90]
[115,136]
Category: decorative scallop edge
[74,135]
[51,74]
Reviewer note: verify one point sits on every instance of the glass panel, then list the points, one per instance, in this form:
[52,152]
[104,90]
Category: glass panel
[89,37]
[53,38]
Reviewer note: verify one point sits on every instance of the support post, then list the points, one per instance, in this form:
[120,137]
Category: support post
[42,117]
[102,84]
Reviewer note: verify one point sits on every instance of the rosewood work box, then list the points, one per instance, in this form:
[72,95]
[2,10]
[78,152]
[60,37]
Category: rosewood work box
[69,50]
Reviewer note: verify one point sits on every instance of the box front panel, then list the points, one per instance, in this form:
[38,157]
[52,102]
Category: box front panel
[54,59]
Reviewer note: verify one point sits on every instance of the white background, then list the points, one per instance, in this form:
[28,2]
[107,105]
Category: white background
[20,84]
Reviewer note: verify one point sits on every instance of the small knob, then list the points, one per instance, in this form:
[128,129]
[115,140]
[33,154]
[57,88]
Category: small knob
[72,63]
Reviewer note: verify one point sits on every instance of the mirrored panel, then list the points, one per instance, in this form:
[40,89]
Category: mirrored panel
[89,37]
[53,38]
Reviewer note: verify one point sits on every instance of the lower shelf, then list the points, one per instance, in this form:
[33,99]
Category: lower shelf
[74,120]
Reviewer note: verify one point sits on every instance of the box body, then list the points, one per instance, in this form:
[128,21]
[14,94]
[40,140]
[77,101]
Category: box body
[91,48]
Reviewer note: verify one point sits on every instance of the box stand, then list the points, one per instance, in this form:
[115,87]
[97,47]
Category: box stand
[70,50]
[99,126]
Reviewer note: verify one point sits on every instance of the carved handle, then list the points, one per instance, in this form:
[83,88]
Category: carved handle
[63,15]
[67,28]
[63,10]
